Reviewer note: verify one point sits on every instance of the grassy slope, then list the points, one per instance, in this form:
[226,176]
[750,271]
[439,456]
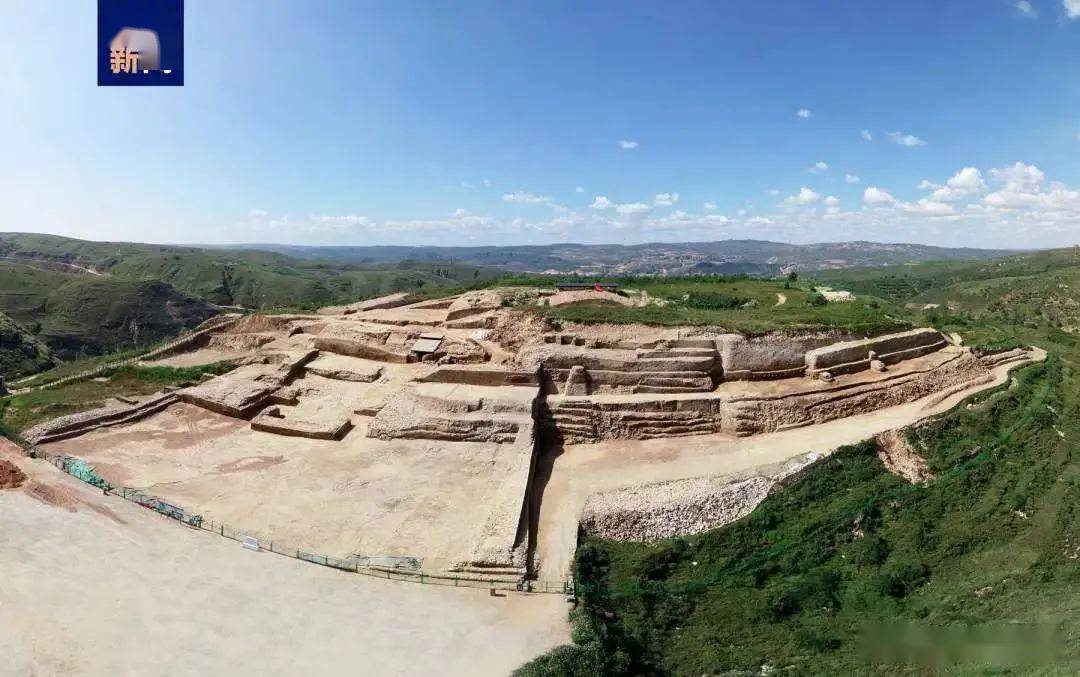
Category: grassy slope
[86,314]
[802,582]
[247,278]
[23,411]
[803,310]
[21,353]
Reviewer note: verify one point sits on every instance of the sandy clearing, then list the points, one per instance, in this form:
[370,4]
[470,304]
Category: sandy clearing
[781,298]
[421,498]
[83,593]
[198,358]
[583,469]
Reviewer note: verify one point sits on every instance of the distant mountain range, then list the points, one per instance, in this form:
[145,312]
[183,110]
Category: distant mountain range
[755,257]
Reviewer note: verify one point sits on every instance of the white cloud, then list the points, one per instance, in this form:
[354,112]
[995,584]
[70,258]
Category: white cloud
[259,213]
[579,189]
[1072,8]
[343,220]
[866,135]
[928,207]
[601,202]
[851,178]
[774,191]
[1019,177]
[875,196]
[627,145]
[1023,189]
[1025,8]
[819,167]
[803,113]
[710,205]
[908,140]
[832,201]
[523,198]
[805,196]
[962,184]
[459,213]
[633,208]
[927,184]
[487,183]
[666,199]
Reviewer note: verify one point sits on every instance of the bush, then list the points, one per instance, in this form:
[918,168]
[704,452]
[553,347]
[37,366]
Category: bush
[568,660]
[710,300]
[900,579]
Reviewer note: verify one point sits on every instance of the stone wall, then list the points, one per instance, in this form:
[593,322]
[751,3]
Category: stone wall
[851,356]
[590,420]
[768,357]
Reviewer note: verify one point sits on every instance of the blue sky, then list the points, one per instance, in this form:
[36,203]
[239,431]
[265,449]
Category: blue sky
[326,122]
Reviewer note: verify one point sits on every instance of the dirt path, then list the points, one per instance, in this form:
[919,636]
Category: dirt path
[109,588]
[585,469]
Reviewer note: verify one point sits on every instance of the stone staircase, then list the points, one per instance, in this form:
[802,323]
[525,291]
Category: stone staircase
[573,420]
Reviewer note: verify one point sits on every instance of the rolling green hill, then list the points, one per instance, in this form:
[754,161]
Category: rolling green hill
[85,314]
[252,279]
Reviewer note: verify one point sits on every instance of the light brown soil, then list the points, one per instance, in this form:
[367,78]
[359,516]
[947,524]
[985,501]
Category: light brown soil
[58,496]
[571,298]
[197,358]
[10,475]
[398,497]
[513,329]
[258,323]
[900,458]
[116,589]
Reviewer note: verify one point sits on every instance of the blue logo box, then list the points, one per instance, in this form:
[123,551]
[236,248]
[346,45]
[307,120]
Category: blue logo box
[140,43]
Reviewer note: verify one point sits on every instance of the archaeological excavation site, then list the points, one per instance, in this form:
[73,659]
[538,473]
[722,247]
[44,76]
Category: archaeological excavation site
[469,437]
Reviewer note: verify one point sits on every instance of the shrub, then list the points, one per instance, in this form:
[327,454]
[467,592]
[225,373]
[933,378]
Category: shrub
[711,300]
[899,579]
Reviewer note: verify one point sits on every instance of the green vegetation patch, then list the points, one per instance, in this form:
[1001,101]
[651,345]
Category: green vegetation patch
[19,412]
[822,572]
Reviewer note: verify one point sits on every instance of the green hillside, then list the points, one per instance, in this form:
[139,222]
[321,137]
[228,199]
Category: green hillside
[732,302]
[253,279]
[85,314]
[92,315]
[21,353]
[853,571]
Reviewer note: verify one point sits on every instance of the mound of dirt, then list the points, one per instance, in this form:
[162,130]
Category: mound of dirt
[11,477]
[252,324]
[513,330]
[569,298]
[52,494]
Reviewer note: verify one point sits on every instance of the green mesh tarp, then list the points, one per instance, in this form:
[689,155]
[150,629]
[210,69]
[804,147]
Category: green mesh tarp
[79,468]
